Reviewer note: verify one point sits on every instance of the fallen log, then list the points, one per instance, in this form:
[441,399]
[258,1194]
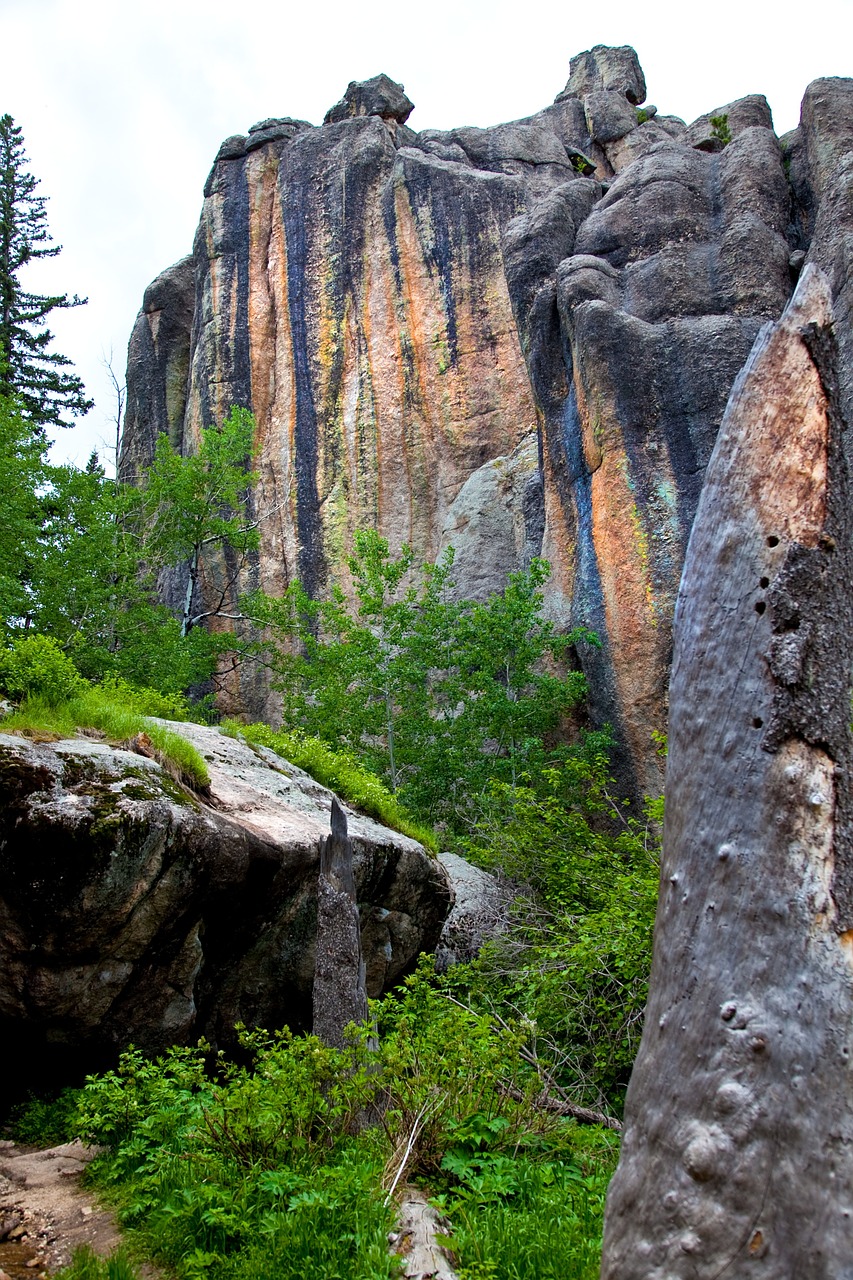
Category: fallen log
[545,1101]
[737,1157]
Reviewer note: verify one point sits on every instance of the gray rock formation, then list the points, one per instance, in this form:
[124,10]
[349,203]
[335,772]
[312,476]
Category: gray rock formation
[480,911]
[131,910]
[737,1157]
[404,310]
[339,994]
[380,96]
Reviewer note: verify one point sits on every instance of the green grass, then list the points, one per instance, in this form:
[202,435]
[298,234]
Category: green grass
[106,709]
[543,1223]
[86,1265]
[341,773]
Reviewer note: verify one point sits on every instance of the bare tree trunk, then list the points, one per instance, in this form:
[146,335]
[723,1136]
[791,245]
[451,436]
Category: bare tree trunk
[738,1152]
[340,994]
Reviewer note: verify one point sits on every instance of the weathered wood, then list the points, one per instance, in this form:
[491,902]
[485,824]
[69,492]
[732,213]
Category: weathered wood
[738,1151]
[546,1101]
[419,1227]
[340,993]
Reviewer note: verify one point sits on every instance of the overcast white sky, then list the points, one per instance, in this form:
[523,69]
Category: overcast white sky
[123,104]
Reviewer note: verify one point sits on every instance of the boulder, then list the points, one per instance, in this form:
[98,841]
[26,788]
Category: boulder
[134,910]
[752,112]
[480,911]
[380,96]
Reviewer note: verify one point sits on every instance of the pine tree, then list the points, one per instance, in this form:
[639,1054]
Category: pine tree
[29,370]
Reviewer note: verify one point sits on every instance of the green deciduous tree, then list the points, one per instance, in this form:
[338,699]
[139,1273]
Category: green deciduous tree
[81,554]
[37,376]
[196,511]
[438,695]
[23,472]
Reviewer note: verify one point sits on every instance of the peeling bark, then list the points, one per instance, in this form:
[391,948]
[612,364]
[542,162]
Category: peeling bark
[738,1150]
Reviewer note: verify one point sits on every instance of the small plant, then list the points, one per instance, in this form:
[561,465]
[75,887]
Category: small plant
[642,115]
[720,129]
[86,1265]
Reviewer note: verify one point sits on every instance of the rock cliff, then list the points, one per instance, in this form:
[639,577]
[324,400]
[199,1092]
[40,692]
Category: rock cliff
[131,910]
[517,340]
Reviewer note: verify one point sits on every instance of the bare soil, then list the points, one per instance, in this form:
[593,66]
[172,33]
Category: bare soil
[45,1213]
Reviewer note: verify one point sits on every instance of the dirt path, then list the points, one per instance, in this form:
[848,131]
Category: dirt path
[45,1213]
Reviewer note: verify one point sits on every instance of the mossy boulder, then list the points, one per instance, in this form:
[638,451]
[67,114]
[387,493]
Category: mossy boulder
[131,911]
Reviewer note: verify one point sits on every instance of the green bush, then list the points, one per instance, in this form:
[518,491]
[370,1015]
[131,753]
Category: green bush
[576,958]
[46,1121]
[36,666]
[268,1168]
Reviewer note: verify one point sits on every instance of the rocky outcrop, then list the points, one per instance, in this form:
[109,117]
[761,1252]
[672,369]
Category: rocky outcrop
[481,910]
[737,1156]
[517,338]
[132,910]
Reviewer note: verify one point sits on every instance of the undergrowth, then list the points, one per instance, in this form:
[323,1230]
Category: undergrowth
[341,773]
[86,1265]
[285,1165]
[44,1121]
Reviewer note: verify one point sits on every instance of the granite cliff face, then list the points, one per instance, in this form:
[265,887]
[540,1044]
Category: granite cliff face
[515,340]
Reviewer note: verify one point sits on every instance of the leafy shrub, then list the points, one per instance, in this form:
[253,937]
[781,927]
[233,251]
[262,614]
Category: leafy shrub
[576,958]
[36,665]
[267,1168]
[45,1122]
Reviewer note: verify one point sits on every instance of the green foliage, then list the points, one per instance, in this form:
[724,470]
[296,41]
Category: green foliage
[86,1265]
[23,469]
[339,771]
[80,554]
[35,666]
[196,505]
[720,129]
[436,695]
[642,115]
[576,960]
[267,1168]
[45,1121]
[527,1213]
[29,370]
[114,713]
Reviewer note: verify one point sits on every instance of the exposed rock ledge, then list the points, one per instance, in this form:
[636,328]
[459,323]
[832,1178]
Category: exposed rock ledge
[131,911]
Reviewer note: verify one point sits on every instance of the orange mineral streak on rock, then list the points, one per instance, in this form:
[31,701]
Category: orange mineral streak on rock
[787,482]
[621,552]
[261,173]
[394,427]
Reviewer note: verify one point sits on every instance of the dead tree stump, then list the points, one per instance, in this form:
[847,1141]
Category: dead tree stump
[340,992]
[738,1152]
